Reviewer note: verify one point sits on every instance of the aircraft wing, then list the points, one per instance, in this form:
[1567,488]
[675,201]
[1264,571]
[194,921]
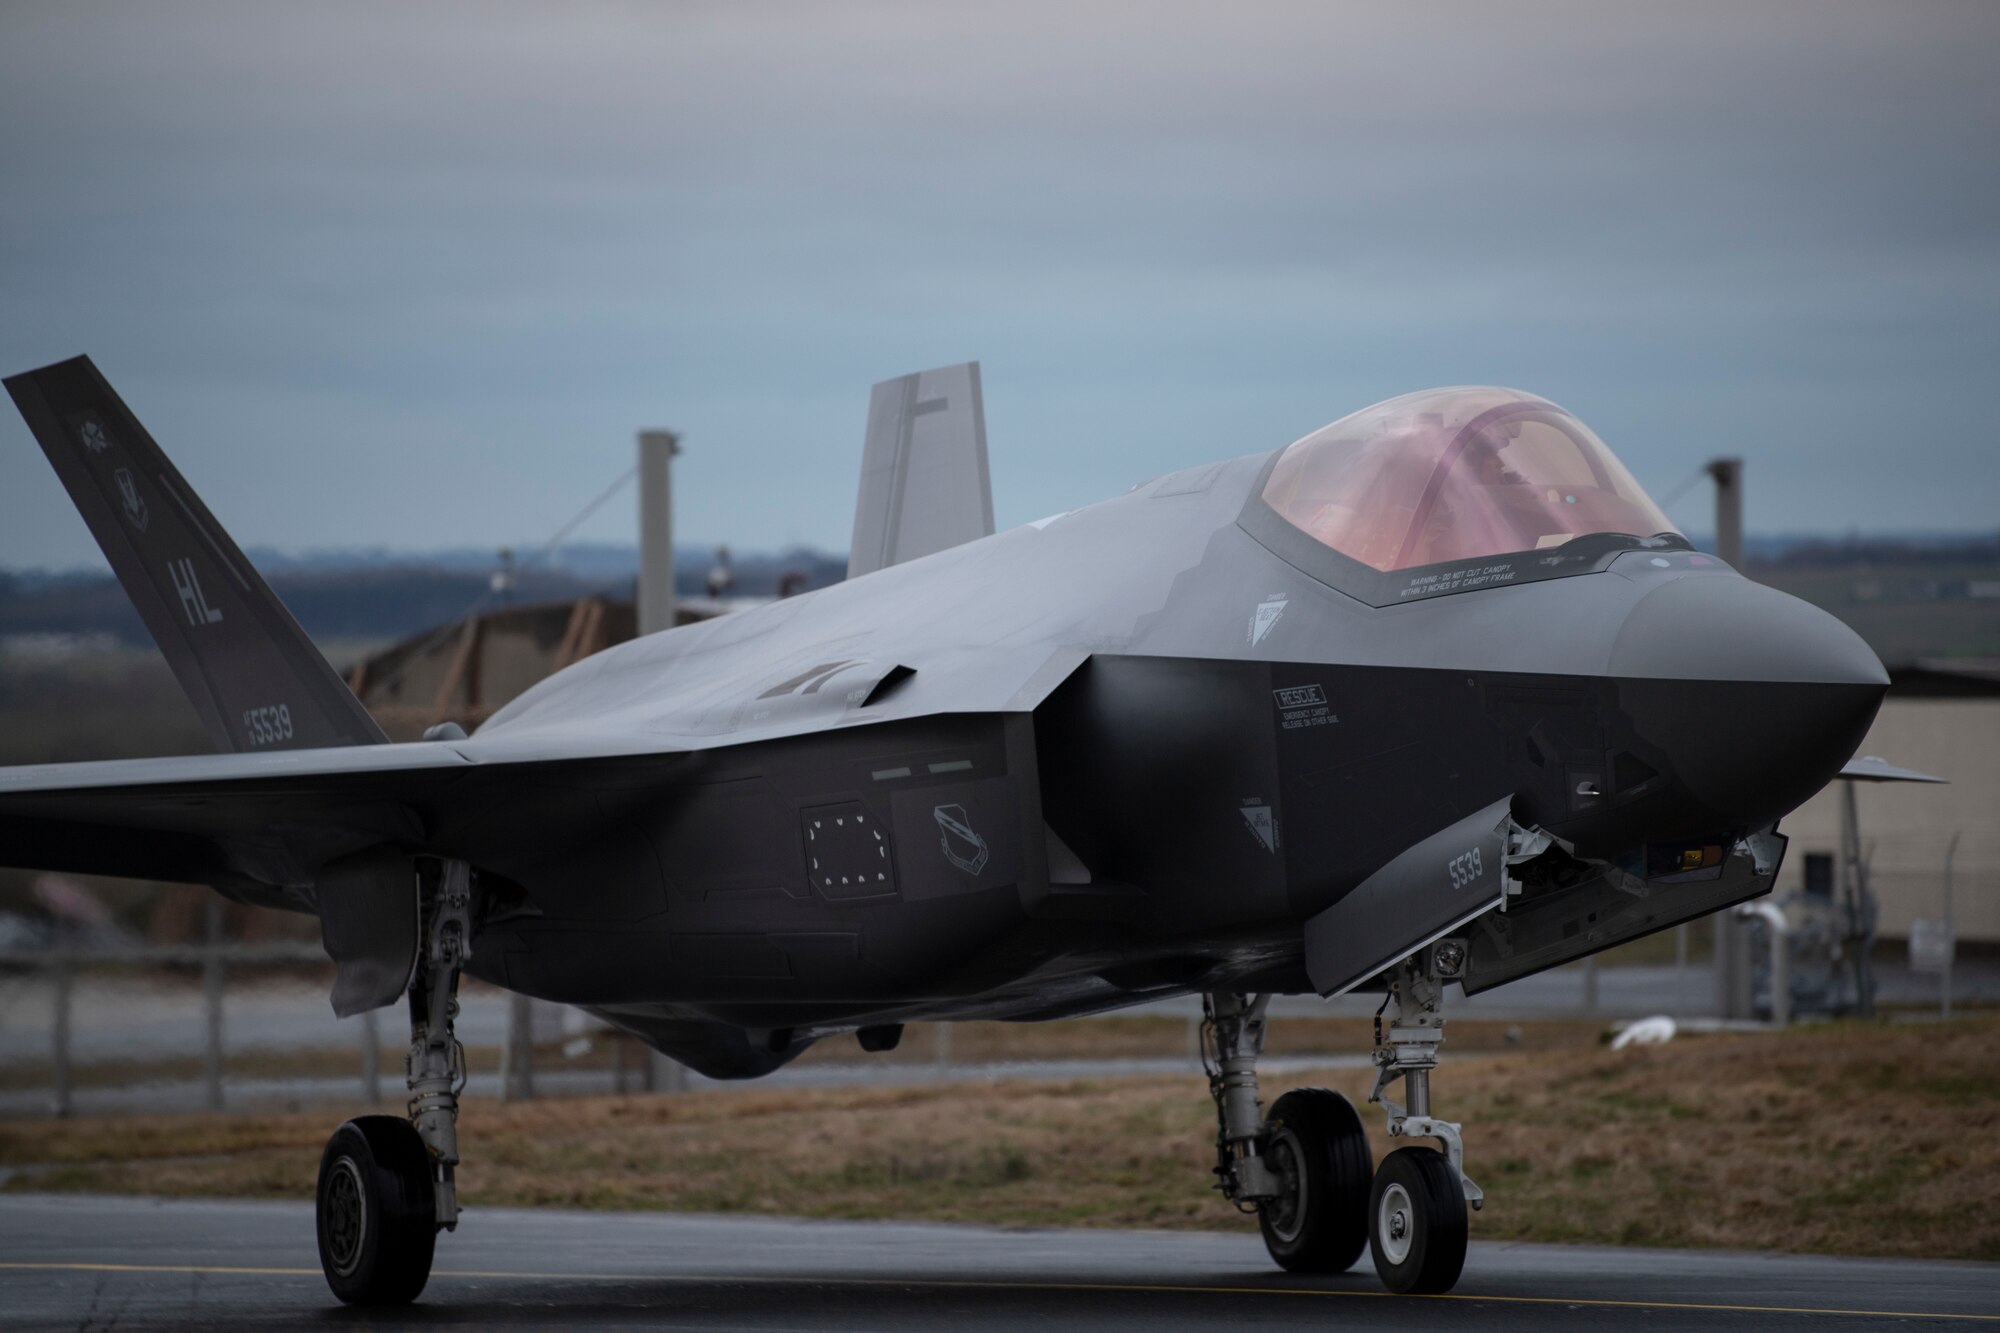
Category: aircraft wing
[273,818]
[208,818]
[924,483]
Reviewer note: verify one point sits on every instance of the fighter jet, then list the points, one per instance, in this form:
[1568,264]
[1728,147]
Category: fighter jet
[1433,697]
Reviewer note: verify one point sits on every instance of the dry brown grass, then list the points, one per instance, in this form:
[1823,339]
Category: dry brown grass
[1847,1138]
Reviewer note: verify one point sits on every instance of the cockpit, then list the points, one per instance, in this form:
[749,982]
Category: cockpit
[1450,490]
[1455,474]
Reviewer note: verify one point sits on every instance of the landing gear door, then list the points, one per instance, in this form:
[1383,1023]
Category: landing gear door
[368,924]
[1548,926]
[1426,891]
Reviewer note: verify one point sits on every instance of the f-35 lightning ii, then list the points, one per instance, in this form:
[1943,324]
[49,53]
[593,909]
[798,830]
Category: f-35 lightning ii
[1434,695]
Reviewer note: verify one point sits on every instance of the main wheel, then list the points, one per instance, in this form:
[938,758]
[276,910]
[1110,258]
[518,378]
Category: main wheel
[377,1212]
[1318,1148]
[1416,1214]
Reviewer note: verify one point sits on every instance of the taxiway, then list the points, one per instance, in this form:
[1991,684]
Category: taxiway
[71,1262]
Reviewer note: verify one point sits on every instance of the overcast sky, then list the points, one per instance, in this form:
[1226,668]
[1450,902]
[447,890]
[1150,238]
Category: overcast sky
[412,275]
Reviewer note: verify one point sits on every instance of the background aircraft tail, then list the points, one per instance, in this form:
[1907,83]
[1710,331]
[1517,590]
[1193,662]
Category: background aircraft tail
[924,484]
[254,677]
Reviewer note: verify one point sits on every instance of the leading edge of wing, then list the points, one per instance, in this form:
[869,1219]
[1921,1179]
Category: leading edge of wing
[279,767]
[270,765]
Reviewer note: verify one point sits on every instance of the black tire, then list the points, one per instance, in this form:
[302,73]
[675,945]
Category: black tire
[377,1212]
[1317,1145]
[1416,1222]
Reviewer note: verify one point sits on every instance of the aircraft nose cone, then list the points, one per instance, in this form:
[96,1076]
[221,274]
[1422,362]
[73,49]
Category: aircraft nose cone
[1757,697]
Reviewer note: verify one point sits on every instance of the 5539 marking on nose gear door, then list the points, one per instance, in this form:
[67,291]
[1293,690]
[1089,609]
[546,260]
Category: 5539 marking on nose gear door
[1465,869]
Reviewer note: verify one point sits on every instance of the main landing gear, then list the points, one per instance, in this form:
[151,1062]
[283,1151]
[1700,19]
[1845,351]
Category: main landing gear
[386,1183]
[1304,1167]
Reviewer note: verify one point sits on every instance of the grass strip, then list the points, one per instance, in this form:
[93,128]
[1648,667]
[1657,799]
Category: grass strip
[1843,1138]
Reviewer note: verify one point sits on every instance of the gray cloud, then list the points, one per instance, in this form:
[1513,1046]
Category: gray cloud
[414,274]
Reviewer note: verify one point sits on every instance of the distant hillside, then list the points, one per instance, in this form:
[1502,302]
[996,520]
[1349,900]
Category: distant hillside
[364,595]
[1793,549]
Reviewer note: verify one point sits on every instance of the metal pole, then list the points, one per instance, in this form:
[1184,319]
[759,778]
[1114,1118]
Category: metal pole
[65,979]
[371,1058]
[656,529]
[1732,942]
[1859,936]
[1781,978]
[1781,969]
[1950,933]
[211,987]
[519,1085]
[943,1049]
[1731,965]
[1728,476]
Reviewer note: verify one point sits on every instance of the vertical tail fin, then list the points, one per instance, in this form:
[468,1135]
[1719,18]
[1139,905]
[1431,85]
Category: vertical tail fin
[252,674]
[924,485]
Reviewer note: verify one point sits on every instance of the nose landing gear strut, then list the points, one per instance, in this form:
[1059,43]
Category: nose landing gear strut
[1416,1206]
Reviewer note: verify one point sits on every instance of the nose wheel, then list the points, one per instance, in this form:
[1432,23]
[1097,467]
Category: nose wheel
[1417,1223]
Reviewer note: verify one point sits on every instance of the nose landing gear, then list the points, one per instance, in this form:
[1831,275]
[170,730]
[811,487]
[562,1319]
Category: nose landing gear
[1416,1206]
[386,1184]
[1304,1168]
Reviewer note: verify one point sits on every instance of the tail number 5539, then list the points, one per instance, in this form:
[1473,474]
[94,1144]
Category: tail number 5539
[268,726]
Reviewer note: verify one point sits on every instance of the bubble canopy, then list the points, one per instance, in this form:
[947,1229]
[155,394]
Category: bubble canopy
[1456,474]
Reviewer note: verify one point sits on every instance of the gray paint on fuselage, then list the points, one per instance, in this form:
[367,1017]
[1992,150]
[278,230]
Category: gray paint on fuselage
[1164,570]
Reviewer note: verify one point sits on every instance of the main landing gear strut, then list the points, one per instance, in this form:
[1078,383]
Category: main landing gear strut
[387,1183]
[1304,1167]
